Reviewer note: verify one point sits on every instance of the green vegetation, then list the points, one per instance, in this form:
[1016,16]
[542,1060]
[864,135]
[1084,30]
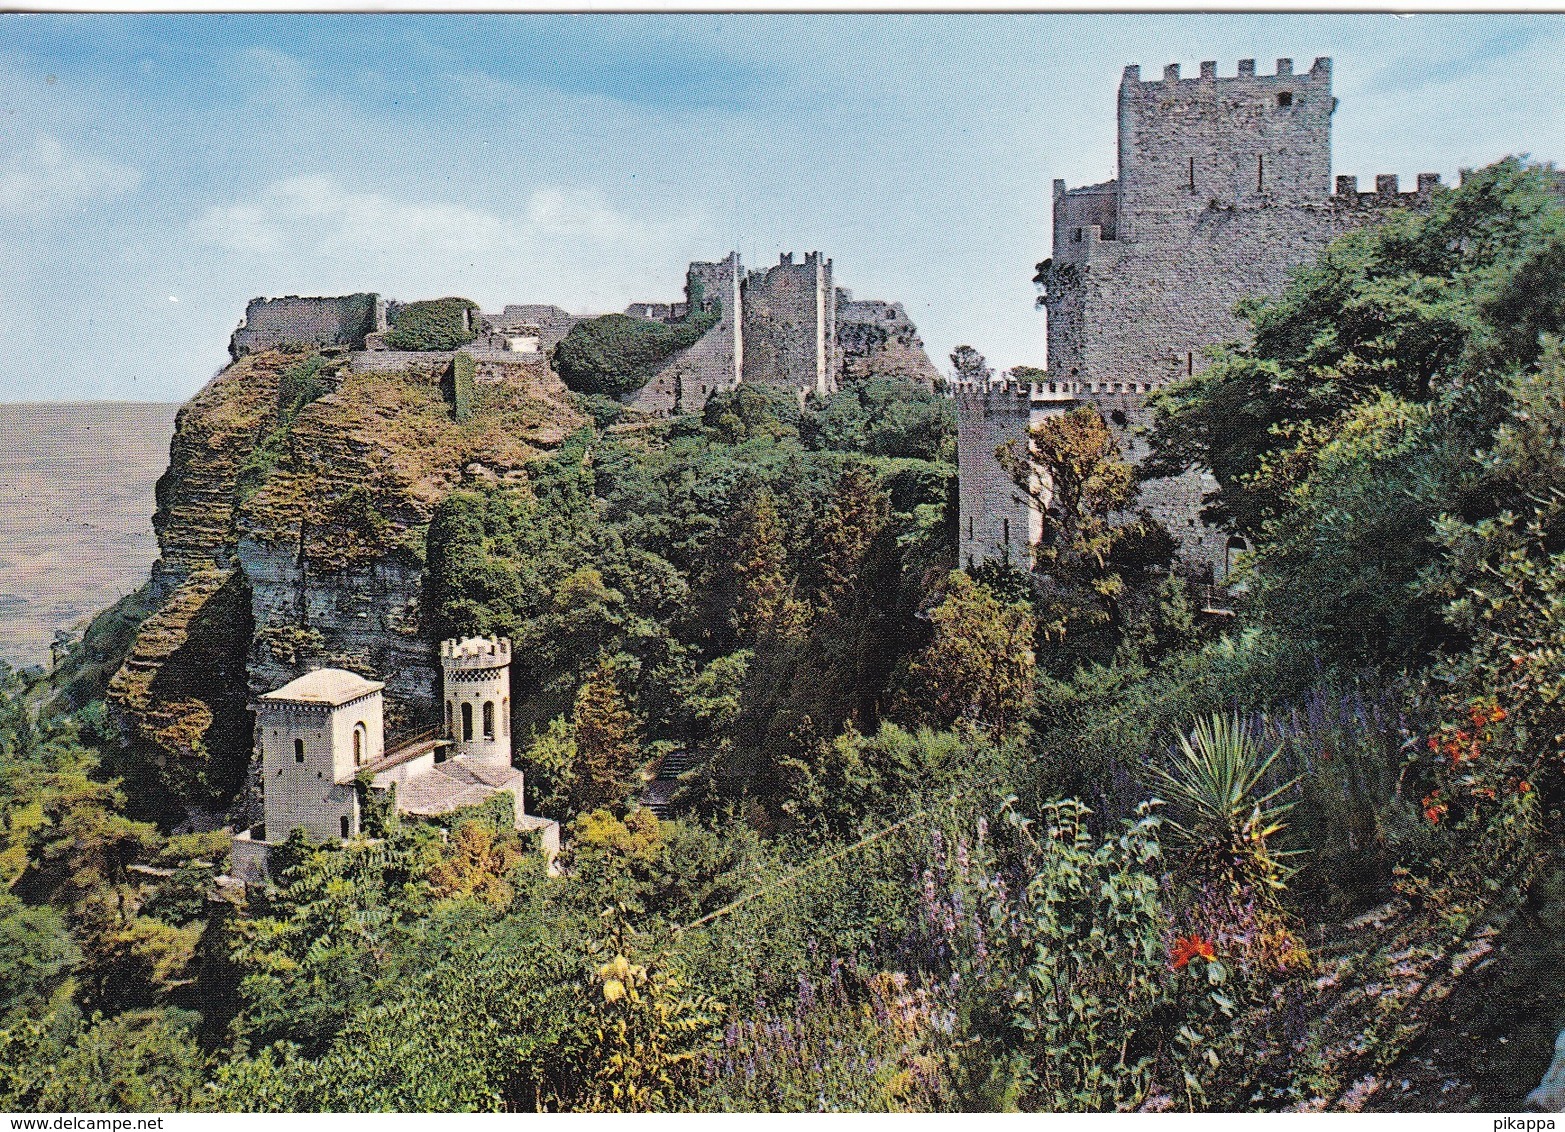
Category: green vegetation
[618,354]
[944,840]
[433,324]
[463,373]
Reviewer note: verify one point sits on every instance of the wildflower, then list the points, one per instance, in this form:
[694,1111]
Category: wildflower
[1434,808]
[1190,947]
[1524,787]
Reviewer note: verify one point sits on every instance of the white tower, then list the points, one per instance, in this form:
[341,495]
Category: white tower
[477,677]
[315,734]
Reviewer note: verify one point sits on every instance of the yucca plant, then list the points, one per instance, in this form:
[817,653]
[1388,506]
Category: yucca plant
[1217,816]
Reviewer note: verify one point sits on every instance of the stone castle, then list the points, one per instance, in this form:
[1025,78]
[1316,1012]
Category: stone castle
[321,748]
[1224,187]
[789,326]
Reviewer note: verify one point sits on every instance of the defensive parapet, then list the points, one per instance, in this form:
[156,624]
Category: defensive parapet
[1388,192]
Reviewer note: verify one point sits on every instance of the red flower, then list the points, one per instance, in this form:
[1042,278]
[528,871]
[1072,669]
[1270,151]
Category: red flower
[1187,948]
[1524,787]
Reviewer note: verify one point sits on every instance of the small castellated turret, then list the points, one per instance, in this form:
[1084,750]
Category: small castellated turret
[476,673]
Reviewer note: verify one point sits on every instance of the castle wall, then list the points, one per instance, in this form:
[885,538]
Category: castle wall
[341,321]
[716,360]
[551,322]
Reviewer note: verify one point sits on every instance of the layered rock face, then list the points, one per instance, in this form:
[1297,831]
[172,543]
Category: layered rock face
[180,692]
[292,537]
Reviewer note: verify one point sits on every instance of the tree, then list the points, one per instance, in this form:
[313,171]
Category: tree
[978,668]
[476,865]
[970,365]
[608,751]
[1099,565]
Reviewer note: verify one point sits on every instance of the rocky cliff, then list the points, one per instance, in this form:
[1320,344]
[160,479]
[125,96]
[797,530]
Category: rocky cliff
[291,528]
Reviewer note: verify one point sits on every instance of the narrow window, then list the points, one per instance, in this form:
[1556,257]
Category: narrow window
[969,528]
[298,750]
[1189,362]
[359,737]
[467,723]
[1192,172]
[969,561]
[343,824]
[505,717]
[1005,527]
[1260,173]
[448,719]
[488,719]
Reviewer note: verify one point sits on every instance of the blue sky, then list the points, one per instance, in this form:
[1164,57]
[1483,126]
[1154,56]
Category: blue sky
[156,172]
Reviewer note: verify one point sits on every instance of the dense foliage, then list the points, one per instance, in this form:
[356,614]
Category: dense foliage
[618,353]
[433,324]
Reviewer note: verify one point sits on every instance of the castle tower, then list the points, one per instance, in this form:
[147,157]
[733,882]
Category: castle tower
[476,674]
[1224,187]
[315,734]
[997,518]
[790,326]
[1245,141]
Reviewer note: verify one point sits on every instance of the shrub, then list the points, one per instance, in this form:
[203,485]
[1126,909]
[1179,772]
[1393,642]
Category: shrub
[434,324]
[617,354]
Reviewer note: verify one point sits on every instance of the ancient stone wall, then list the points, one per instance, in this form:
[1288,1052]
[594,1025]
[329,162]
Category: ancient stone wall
[878,339]
[716,360]
[340,321]
[551,323]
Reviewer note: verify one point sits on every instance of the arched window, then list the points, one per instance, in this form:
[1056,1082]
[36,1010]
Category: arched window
[343,824]
[298,750]
[467,723]
[361,738]
[488,719]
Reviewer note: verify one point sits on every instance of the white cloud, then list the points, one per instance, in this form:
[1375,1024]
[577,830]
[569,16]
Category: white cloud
[570,246]
[48,180]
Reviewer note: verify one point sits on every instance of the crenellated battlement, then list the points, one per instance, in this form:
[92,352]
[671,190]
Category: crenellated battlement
[1320,71]
[1388,192]
[475,653]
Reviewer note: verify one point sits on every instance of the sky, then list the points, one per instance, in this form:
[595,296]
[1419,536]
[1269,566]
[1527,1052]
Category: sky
[157,172]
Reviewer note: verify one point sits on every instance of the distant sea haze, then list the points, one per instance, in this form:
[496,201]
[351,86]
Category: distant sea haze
[76,503]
